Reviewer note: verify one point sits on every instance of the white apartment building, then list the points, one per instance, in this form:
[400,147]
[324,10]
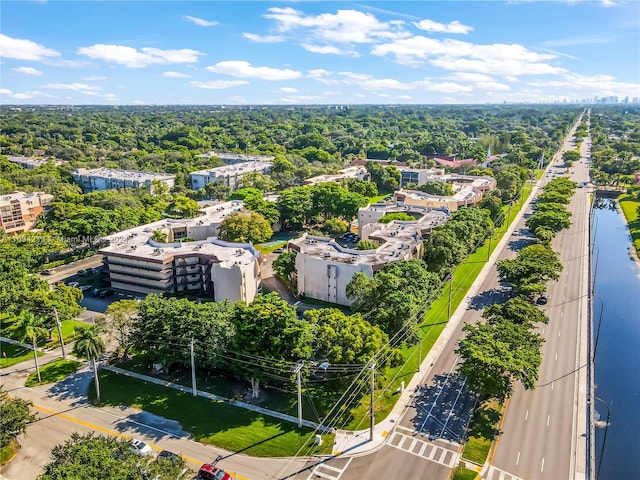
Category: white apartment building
[33,162]
[324,268]
[360,173]
[369,216]
[19,210]
[109,178]
[136,261]
[229,174]
[233,158]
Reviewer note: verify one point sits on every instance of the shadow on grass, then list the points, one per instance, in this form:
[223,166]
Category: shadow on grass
[489,297]
[74,388]
[207,421]
[485,420]
[53,372]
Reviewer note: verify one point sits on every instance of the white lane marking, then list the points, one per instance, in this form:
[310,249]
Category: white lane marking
[556,355]
[558,332]
[548,419]
[518,459]
[552,384]
[562,313]
[543,331]
[563,298]
[542,466]
[526,416]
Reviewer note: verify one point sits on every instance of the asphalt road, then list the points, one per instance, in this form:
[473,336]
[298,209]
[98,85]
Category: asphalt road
[542,426]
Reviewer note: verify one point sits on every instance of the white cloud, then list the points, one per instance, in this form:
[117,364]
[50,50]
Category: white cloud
[23,49]
[453,27]
[470,77]
[200,21]
[175,75]
[300,99]
[218,84]
[263,38]
[370,83]
[601,85]
[289,90]
[327,49]
[345,26]
[134,58]
[94,78]
[27,70]
[455,55]
[22,96]
[322,76]
[240,68]
[5,91]
[405,97]
[73,86]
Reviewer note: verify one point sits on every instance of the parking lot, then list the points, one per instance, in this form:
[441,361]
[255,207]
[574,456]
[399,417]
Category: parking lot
[348,240]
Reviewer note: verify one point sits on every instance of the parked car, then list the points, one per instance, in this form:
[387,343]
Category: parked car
[95,292]
[96,269]
[138,446]
[47,271]
[169,456]
[278,250]
[211,472]
[105,293]
[84,288]
[73,284]
[83,273]
[543,299]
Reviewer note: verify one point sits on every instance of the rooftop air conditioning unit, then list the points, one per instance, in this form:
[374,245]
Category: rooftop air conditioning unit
[326,255]
[354,259]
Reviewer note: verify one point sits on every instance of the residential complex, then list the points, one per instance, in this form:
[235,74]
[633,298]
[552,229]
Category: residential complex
[359,172]
[108,178]
[468,190]
[33,162]
[191,259]
[233,158]
[324,267]
[229,174]
[19,210]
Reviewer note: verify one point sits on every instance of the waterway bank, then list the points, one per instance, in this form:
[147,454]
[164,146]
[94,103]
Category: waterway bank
[616,353]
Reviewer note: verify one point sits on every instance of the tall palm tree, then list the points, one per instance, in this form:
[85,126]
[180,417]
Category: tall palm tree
[89,344]
[31,327]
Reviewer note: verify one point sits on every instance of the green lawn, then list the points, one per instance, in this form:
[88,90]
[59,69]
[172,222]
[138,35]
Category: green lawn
[53,372]
[464,474]
[7,452]
[68,334]
[630,209]
[212,422]
[7,330]
[483,430]
[15,354]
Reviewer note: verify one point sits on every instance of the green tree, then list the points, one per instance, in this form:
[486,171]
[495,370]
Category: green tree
[494,355]
[334,226]
[15,417]
[367,245]
[121,317]
[571,156]
[90,456]
[552,196]
[343,339]
[285,264]
[552,216]
[217,190]
[159,236]
[183,207]
[532,268]
[435,187]
[31,327]
[518,310]
[390,217]
[89,344]
[294,205]
[269,331]
[245,226]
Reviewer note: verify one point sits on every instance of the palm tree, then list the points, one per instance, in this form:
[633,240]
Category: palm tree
[30,327]
[89,344]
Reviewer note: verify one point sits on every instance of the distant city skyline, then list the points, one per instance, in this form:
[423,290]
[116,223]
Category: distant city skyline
[325,52]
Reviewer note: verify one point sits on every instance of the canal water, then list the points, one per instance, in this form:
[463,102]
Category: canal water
[617,355]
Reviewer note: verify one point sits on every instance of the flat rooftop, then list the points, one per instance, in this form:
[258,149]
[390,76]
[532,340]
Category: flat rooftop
[235,169]
[122,174]
[237,157]
[137,243]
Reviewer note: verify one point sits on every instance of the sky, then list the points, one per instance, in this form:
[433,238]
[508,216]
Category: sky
[317,52]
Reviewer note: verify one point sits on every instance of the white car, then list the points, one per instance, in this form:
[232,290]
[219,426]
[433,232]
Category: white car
[140,447]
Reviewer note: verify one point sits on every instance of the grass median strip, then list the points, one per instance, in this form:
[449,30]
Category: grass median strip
[216,423]
[483,431]
[15,354]
[53,372]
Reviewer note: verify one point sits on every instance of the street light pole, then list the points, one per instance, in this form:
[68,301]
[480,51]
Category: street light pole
[59,325]
[595,346]
[450,295]
[371,410]
[299,383]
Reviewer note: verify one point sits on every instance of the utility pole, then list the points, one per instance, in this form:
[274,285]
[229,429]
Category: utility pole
[489,252]
[59,325]
[373,388]
[450,296]
[420,354]
[299,382]
[193,371]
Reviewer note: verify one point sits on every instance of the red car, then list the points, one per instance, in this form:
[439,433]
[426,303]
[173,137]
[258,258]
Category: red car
[211,472]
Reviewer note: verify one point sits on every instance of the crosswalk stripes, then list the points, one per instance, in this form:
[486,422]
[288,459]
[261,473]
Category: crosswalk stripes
[421,448]
[324,470]
[494,473]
